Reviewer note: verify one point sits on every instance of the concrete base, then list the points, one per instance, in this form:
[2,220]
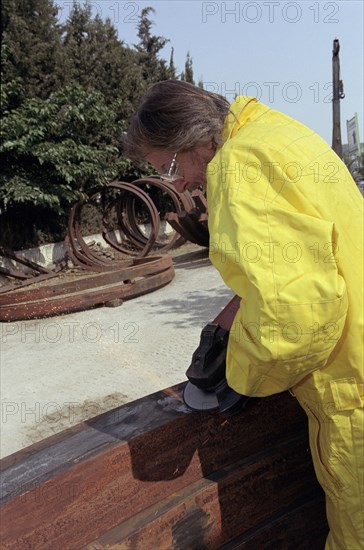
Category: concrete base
[49,255]
[60,371]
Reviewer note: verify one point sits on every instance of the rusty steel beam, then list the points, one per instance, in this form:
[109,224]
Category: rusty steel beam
[81,254]
[151,474]
[86,292]
[24,261]
[23,278]
[187,225]
[14,273]
[217,509]
[191,223]
[180,201]
[143,244]
[30,281]
[130,270]
[194,229]
[200,200]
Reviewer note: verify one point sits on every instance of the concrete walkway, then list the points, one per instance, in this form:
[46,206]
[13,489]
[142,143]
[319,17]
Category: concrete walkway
[60,371]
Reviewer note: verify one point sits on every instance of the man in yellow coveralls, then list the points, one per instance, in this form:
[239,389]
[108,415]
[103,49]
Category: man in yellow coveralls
[286,234]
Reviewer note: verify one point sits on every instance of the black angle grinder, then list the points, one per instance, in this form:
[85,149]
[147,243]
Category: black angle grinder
[207,389]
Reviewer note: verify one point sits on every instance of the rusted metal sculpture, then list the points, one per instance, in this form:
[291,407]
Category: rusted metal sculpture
[150,474]
[181,202]
[82,255]
[192,223]
[118,199]
[131,279]
[189,221]
[20,263]
[24,271]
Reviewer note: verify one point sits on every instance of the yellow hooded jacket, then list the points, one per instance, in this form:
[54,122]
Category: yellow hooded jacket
[286,234]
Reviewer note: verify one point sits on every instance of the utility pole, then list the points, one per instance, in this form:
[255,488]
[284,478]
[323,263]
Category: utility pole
[338,93]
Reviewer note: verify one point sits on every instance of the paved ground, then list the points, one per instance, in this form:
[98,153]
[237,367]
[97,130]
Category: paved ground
[60,371]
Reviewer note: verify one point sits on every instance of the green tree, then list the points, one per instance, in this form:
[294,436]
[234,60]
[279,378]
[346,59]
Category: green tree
[30,42]
[53,156]
[187,74]
[171,67]
[67,94]
[149,47]
[93,56]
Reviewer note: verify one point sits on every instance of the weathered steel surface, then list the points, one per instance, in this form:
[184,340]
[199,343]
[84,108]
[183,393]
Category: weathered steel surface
[123,205]
[127,219]
[133,280]
[32,280]
[191,222]
[24,261]
[150,474]
[81,254]
[180,201]
[199,200]
[226,317]
[217,509]
[23,277]
[17,274]
[189,225]
[303,527]
[130,270]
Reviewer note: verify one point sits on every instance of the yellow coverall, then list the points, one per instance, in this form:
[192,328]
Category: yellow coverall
[286,234]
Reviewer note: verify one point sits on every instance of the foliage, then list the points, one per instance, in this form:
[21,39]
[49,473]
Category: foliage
[93,56]
[187,74]
[52,155]
[153,68]
[30,39]
[67,94]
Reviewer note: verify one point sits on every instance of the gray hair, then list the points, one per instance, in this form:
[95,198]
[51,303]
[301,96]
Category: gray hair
[176,116]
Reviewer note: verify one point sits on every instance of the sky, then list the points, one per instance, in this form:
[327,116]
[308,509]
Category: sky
[277,51]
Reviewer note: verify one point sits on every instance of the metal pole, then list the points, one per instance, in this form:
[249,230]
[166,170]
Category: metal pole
[338,93]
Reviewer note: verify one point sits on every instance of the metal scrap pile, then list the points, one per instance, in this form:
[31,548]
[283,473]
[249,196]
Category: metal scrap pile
[111,275]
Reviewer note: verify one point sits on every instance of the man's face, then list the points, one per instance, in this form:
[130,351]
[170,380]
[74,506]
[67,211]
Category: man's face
[191,165]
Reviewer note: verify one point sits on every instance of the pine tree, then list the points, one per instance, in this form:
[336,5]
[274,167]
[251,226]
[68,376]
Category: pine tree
[187,74]
[149,46]
[171,67]
[30,38]
[93,56]
[67,94]
[75,65]
[53,152]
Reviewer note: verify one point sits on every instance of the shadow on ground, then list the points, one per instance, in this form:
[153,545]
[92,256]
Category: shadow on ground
[195,307]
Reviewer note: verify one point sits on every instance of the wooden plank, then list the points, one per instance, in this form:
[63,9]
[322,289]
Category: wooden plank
[74,487]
